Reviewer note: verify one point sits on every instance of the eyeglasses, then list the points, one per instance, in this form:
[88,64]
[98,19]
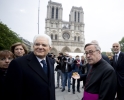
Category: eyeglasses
[90,52]
[38,44]
[115,46]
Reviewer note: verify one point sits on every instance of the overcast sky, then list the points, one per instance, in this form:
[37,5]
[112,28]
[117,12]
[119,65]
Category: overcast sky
[104,19]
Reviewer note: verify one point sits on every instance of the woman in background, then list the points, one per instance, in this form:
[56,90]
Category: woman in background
[6,57]
[19,49]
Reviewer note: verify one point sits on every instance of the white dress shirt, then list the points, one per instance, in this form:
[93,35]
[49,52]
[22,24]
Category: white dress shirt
[117,55]
[40,60]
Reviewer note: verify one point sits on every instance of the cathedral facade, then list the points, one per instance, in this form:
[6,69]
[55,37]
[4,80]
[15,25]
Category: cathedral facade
[67,36]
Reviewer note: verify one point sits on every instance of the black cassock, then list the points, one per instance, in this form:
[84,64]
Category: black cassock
[101,82]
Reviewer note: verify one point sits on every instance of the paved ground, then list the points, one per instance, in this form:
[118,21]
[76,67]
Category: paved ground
[68,95]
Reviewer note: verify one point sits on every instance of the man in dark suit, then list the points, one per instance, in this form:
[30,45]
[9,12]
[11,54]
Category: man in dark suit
[118,64]
[31,77]
[105,58]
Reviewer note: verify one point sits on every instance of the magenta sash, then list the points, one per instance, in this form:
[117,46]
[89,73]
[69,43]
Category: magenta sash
[90,96]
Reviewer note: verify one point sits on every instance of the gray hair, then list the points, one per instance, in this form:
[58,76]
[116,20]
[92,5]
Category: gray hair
[95,42]
[96,46]
[43,35]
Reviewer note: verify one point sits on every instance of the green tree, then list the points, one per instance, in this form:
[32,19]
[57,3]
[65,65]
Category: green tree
[122,44]
[104,53]
[7,37]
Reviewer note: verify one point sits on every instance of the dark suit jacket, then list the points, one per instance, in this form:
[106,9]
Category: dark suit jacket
[119,68]
[106,58]
[63,67]
[84,75]
[26,79]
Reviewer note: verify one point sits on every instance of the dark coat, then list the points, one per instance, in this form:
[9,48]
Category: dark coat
[101,80]
[2,79]
[119,68]
[83,76]
[106,58]
[77,68]
[58,66]
[26,79]
[63,65]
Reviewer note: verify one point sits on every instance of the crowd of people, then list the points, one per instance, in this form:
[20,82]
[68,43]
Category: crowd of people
[66,66]
[30,75]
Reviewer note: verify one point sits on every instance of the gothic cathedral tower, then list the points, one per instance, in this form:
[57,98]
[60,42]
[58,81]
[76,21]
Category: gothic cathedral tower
[67,36]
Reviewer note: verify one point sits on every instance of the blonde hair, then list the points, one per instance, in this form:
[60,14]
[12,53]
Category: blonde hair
[17,44]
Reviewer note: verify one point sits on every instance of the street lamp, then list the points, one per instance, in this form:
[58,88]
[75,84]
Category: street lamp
[38,15]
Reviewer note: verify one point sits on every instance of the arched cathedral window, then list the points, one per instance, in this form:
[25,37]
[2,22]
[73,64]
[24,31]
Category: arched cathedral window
[52,36]
[75,16]
[56,25]
[78,38]
[56,37]
[78,17]
[52,12]
[56,13]
[74,38]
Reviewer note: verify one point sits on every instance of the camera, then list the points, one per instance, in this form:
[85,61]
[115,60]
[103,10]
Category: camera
[64,58]
[49,55]
[75,61]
